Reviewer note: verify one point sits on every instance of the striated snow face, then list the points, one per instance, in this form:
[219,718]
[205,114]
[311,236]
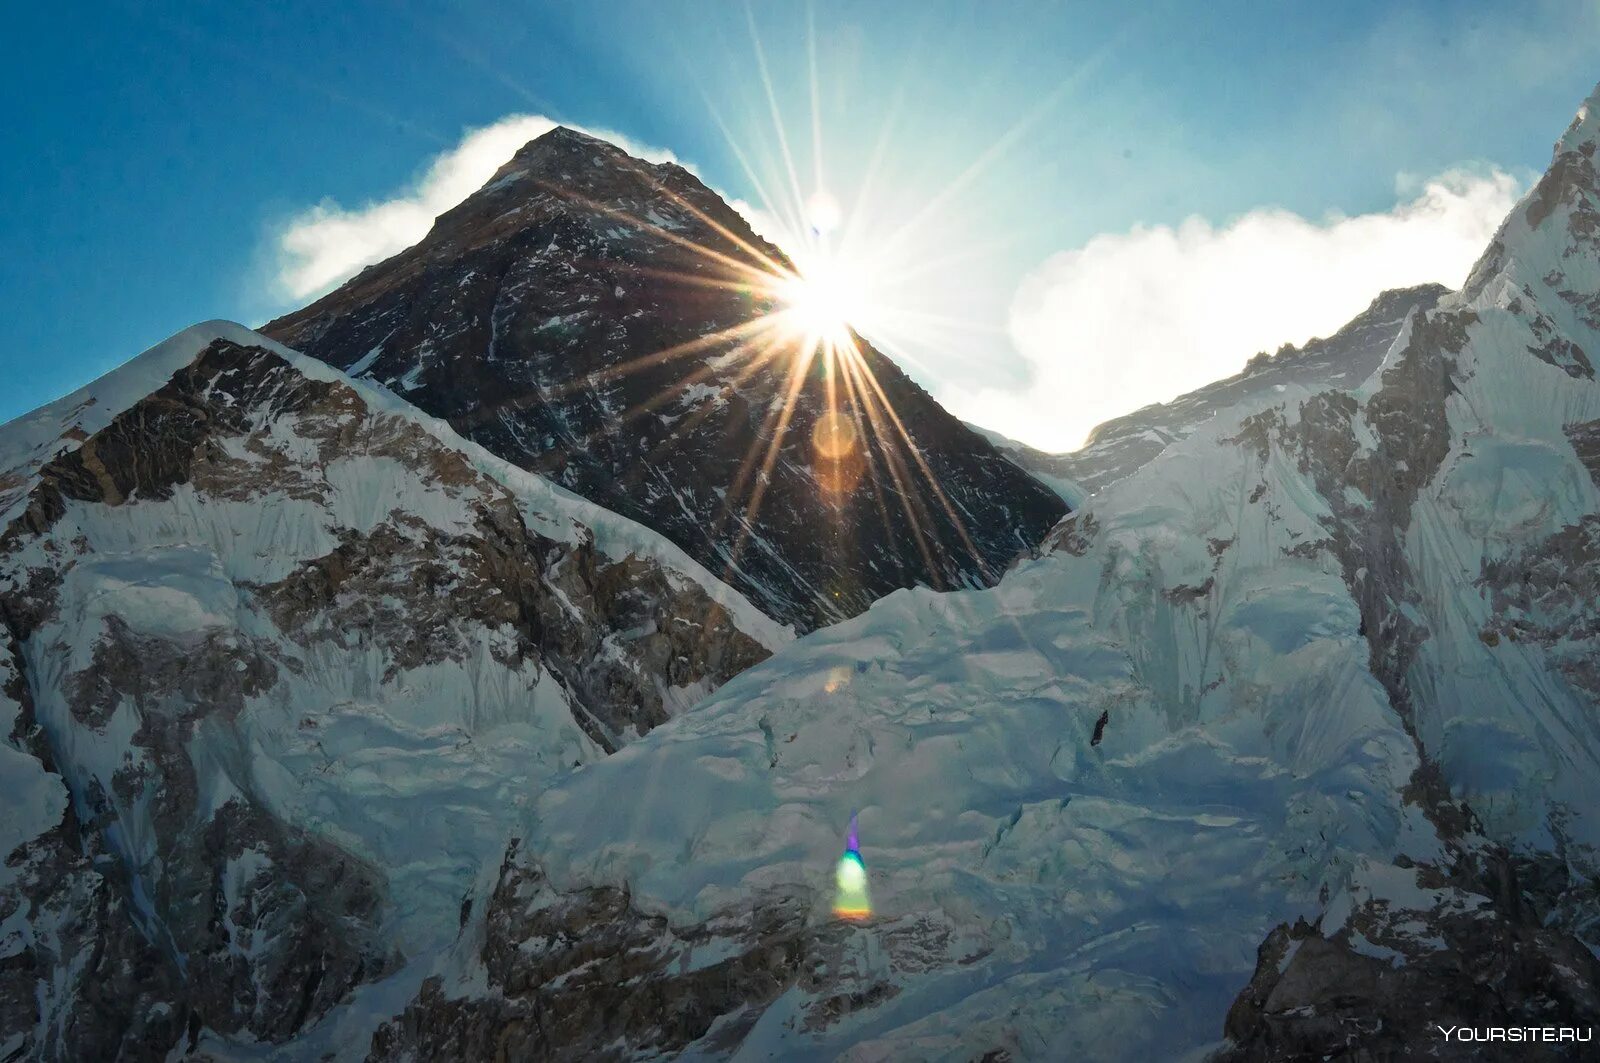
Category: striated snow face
[1507,681]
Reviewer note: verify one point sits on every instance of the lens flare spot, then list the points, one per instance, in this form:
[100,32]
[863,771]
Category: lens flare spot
[852,876]
[850,900]
[838,478]
[834,435]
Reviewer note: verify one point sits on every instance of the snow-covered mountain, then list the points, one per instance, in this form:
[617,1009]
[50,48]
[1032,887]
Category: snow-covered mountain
[282,660]
[1287,747]
[578,316]
[1118,447]
[331,734]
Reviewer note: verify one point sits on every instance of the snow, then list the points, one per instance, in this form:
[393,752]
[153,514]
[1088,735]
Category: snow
[1252,764]
[29,441]
[424,777]
[178,593]
[1513,734]
[34,801]
[1081,897]
[1250,761]
[412,378]
[696,393]
[362,364]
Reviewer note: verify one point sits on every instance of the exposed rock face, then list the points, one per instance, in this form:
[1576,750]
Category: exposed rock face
[563,318]
[229,612]
[588,974]
[1344,360]
[1385,985]
[284,665]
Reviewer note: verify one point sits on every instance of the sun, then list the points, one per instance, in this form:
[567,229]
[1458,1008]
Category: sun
[826,286]
[824,298]
[827,293]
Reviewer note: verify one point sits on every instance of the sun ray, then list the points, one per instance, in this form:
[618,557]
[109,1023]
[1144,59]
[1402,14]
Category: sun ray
[772,106]
[816,107]
[898,472]
[817,304]
[870,452]
[761,357]
[781,214]
[933,481]
[1005,141]
[776,410]
[763,261]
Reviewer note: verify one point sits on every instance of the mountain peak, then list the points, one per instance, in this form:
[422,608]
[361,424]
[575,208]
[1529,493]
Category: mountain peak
[567,134]
[603,322]
[564,142]
[1582,135]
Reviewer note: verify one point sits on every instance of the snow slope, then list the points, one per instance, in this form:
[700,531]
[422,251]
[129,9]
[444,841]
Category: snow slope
[1118,447]
[1289,735]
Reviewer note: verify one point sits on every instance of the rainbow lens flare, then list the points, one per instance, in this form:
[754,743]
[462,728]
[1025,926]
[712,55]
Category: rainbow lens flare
[850,899]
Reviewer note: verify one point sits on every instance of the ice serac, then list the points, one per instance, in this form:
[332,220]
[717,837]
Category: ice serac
[1286,747]
[568,317]
[280,659]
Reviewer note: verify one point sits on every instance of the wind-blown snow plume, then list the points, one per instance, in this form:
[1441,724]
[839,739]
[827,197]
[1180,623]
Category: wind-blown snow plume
[327,244]
[1138,317]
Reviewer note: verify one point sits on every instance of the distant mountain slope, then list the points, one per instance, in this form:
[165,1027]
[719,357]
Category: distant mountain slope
[280,659]
[1287,747]
[1118,447]
[559,317]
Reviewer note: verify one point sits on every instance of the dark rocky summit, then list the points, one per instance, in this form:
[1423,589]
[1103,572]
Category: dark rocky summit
[588,316]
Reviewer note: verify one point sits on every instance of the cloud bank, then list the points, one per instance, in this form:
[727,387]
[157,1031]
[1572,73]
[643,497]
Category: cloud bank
[1143,316]
[320,248]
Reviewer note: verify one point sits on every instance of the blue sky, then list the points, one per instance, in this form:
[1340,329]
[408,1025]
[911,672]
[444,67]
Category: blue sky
[154,153]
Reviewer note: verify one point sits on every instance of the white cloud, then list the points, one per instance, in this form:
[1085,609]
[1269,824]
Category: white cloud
[327,244]
[1143,316]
